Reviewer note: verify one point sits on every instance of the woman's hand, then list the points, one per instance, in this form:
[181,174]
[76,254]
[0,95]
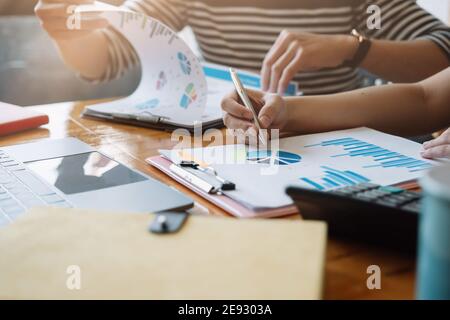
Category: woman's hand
[271,109]
[294,52]
[58,18]
[438,148]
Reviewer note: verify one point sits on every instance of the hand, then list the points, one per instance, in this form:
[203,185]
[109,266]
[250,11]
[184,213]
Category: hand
[294,52]
[438,148]
[271,109]
[58,19]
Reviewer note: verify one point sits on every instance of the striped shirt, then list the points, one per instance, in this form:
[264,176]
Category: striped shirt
[239,33]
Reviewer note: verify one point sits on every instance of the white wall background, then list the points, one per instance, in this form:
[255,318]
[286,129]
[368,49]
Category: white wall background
[440,8]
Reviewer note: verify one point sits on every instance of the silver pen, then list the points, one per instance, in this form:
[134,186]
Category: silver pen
[247,103]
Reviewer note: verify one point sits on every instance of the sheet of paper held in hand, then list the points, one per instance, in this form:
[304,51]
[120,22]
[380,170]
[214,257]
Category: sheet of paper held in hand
[321,161]
[174,84]
[172,81]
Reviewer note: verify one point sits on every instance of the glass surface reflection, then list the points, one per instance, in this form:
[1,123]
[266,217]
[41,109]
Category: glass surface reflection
[84,172]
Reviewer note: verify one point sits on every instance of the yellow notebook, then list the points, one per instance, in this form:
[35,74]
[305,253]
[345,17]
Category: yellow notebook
[73,254]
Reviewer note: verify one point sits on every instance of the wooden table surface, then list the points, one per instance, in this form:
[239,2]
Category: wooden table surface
[347,262]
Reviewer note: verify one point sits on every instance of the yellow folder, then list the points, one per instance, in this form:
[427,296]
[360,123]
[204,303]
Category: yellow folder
[76,254]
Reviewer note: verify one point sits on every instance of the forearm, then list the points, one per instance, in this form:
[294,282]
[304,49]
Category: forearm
[405,61]
[86,55]
[399,109]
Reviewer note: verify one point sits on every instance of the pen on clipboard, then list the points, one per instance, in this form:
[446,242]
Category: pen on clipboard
[221,185]
[247,103]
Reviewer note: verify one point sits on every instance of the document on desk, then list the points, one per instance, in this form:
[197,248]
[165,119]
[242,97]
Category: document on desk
[176,89]
[320,161]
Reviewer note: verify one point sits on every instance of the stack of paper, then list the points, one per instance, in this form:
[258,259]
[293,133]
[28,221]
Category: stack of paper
[321,161]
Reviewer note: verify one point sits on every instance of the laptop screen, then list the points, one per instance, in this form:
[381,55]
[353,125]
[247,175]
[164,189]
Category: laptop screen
[83,172]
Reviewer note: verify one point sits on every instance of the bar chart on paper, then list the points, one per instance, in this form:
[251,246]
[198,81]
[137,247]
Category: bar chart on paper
[362,155]
[333,178]
[382,157]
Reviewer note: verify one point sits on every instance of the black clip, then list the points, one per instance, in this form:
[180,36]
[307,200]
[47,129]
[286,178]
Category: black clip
[168,222]
[225,185]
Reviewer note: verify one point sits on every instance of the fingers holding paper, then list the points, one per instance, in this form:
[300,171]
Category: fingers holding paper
[271,111]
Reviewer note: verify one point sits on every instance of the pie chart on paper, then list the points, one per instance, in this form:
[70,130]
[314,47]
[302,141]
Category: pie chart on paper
[280,158]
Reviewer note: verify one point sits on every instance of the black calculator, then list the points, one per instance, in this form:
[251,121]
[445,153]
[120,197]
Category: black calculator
[380,215]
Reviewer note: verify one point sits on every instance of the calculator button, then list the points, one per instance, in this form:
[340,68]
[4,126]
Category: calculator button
[368,196]
[393,190]
[368,185]
[400,199]
[412,207]
[411,195]
[387,203]
[342,192]
[379,193]
[375,194]
[353,189]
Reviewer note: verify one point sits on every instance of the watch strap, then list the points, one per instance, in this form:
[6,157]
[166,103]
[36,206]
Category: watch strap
[364,45]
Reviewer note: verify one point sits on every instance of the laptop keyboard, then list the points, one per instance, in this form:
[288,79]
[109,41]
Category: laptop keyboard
[20,190]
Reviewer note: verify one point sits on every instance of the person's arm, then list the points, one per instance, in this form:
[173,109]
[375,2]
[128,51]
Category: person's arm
[95,51]
[409,61]
[404,109]
[83,47]
[410,46]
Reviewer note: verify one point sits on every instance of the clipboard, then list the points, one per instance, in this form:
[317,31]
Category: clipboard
[222,201]
[217,76]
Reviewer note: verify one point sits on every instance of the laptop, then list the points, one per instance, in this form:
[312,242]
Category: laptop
[69,173]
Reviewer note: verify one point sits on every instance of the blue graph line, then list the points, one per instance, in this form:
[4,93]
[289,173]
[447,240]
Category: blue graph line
[385,158]
[333,178]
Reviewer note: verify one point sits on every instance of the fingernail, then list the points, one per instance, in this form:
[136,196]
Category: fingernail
[265,121]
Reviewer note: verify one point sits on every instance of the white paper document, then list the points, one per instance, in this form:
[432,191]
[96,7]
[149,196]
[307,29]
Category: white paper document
[320,161]
[172,83]
[175,88]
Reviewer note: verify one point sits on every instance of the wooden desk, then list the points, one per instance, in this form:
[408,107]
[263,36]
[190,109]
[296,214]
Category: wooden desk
[347,262]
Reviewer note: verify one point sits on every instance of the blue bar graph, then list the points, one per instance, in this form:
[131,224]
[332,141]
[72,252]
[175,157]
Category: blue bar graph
[383,157]
[333,178]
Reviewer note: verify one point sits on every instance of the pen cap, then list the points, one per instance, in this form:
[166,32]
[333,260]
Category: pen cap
[434,236]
